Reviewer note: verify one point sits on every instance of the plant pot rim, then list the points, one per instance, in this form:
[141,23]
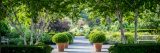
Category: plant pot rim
[97,43]
[60,43]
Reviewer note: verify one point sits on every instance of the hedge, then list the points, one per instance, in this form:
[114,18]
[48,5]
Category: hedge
[135,48]
[26,49]
[143,30]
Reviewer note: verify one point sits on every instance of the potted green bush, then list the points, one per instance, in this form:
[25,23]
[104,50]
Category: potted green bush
[70,38]
[97,38]
[60,39]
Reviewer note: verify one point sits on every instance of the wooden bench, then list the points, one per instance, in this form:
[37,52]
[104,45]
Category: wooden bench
[147,39]
[4,40]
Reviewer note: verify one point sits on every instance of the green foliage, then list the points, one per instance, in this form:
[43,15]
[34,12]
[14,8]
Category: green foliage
[26,49]
[80,30]
[46,38]
[91,32]
[129,37]
[40,43]
[15,37]
[149,20]
[13,34]
[135,48]
[116,37]
[70,36]
[15,41]
[158,39]
[26,13]
[60,38]
[73,35]
[4,28]
[97,37]
[107,35]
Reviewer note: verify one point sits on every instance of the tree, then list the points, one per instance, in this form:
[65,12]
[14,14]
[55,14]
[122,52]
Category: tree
[36,16]
[135,5]
[108,7]
[139,5]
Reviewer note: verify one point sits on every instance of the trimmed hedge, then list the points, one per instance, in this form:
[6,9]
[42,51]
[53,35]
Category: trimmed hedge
[135,48]
[26,49]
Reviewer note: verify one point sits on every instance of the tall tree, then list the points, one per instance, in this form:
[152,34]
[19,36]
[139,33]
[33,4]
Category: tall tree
[137,6]
[108,7]
[35,15]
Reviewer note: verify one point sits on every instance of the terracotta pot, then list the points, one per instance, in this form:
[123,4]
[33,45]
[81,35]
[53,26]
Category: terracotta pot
[66,45]
[98,47]
[61,47]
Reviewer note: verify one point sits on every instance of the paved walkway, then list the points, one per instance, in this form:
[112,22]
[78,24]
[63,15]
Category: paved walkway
[81,45]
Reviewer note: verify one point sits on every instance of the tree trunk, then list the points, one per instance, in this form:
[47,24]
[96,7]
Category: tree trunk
[22,32]
[108,20]
[120,19]
[38,34]
[32,32]
[135,27]
[24,40]
[19,30]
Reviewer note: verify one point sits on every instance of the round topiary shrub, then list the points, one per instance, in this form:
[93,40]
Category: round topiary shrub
[97,37]
[60,38]
[70,37]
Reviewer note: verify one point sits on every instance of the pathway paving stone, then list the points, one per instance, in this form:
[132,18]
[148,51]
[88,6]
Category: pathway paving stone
[81,45]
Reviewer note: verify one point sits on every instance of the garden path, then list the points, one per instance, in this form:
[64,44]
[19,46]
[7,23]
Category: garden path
[81,45]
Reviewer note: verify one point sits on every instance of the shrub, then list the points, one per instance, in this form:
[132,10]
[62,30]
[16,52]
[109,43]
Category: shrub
[40,43]
[97,37]
[4,29]
[88,34]
[46,38]
[135,48]
[91,32]
[116,37]
[59,25]
[158,39]
[73,35]
[107,34]
[129,37]
[26,49]
[16,41]
[60,38]
[13,34]
[70,37]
